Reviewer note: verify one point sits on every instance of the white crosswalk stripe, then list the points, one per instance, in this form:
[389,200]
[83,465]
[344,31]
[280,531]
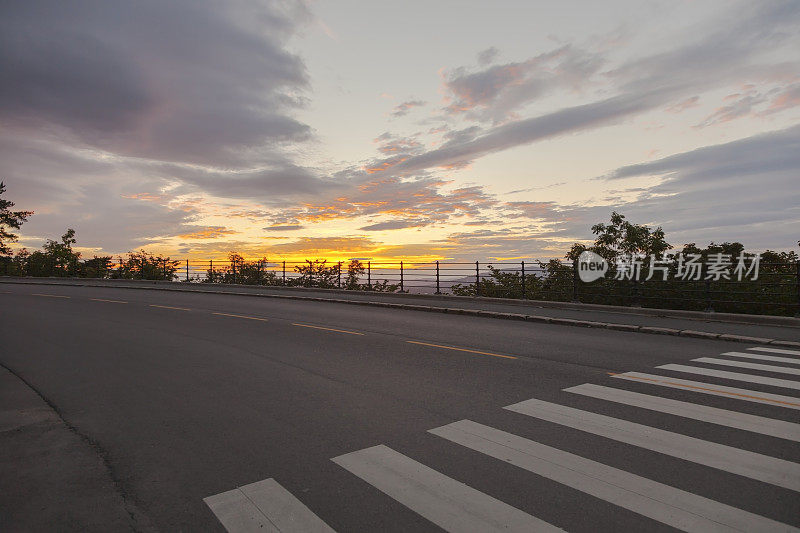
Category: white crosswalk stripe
[736,376]
[778,400]
[752,366]
[671,506]
[775,350]
[712,415]
[448,503]
[727,458]
[264,506]
[761,357]
[455,506]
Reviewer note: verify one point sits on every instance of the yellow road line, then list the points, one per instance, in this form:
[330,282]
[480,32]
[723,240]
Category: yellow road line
[51,295]
[710,389]
[463,350]
[109,301]
[242,316]
[327,329]
[169,307]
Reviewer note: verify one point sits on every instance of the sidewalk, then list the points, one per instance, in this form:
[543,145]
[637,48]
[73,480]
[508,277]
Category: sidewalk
[762,327]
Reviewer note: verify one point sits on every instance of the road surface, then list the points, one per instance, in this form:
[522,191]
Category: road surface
[149,410]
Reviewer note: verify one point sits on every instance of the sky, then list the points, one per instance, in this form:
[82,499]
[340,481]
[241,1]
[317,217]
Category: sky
[405,130]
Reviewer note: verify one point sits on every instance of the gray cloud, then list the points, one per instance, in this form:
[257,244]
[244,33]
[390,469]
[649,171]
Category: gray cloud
[493,93]
[394,224]
[486,57]
[187,81]
[284,227]
[739,49]
[402,109]
[745,190]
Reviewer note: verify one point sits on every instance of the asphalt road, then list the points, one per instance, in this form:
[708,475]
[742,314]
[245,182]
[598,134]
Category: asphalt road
[125,409]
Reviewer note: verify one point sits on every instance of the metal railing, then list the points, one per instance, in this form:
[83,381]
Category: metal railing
[776,291]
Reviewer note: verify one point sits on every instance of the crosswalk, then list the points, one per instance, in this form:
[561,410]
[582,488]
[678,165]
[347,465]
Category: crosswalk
[453,505]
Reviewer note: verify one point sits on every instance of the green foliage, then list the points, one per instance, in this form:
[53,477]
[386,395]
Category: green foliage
[316,273]
[9,220]
[243,272]
[774,292]
[144,265]
[380,286]
[56,259]
[355,270]
[620,237]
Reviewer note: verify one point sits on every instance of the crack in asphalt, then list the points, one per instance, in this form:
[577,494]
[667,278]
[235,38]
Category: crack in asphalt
[140,521]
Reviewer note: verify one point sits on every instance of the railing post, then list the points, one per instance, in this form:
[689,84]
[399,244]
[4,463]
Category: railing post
[437,278]
[401,277]
[339,275]
[369,275]
[709,307]
[284,272]
[523,280]
[187,270]
[477,279]
[233,269]
[636,302]
[211,269]
[260,268]
[575,280]
[797,274]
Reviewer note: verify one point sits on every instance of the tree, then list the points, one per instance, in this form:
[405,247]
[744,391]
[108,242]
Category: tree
[317,273]
[144,265]
[354,272]
[63,261]
[9,219]
[621,237]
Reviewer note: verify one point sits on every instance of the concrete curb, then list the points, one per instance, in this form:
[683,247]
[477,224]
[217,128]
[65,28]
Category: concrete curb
[455,311]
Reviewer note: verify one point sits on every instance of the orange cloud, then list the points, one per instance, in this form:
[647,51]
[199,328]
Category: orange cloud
[208,232]
[146,197]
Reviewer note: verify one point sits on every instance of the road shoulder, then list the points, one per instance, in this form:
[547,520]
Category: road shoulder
[51,476]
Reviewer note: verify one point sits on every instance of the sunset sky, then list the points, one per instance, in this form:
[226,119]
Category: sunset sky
[416,130]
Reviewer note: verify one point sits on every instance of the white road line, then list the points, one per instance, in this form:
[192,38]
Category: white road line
[745,364]
[760,357]
[776,350]
[677,508]
[727,458]
[712,415]
[712,389]
[264,506]
[448,503]
[750,378]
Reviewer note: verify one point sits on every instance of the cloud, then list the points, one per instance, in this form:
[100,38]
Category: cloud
[284,227]
[392,224]
[320,246]
[402,109]
[486,57]
[207,232]
[744,190]
[683,105]
[768,153]
[739,49]
[417,202]
[741,106]
[788,98]
[495,92]
[392,145]
[188,81]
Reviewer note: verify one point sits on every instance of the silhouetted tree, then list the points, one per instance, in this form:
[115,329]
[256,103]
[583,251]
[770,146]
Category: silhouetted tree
[9,220]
